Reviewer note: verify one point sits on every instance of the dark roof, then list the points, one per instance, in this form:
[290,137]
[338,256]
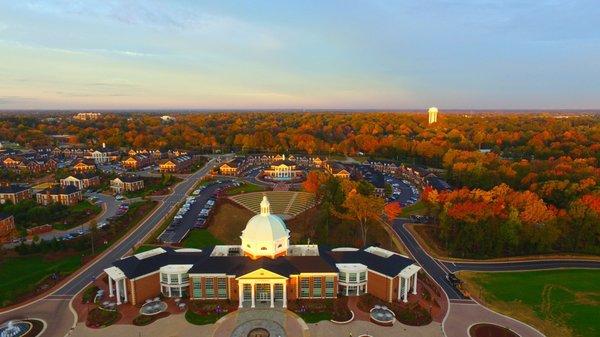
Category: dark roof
[437,183]
[203,263]
[236,162]
[84,175]
[13,188]
[69,189]
[390,266]
[284,162]
[4,216]
[131,179]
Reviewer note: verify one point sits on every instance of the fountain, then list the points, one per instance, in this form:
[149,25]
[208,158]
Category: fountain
[15,329]
[382,315]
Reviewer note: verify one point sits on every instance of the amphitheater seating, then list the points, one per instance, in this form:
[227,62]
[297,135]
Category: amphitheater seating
[286,203]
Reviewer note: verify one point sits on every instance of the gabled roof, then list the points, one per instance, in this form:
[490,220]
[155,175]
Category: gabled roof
[56,190]
[389,266]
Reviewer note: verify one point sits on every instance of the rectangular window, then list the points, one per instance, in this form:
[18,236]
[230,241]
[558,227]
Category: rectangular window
[363,276]
[209,289]
[222,287]
[164,278]
[329,285]
[343,277]
[352,278]
[304,290]
[185,278]
[316,291]
[197,286]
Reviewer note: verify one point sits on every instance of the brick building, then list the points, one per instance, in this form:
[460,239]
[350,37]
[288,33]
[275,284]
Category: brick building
[265,270]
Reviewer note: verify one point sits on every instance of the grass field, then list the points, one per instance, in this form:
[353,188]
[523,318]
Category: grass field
[198,238]
[245,188]
[417,208]
[228,222]
[20,275]
[557,302]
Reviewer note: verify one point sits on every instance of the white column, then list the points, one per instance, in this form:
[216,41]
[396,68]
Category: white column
[110,287]
[272,295]
[285,294]
[125,289]
[241,294]
[118,292]
[252,292]
[415,284]
[346,291]
[405,290]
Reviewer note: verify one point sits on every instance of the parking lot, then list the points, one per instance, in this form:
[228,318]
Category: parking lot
[403,191]
[195,214]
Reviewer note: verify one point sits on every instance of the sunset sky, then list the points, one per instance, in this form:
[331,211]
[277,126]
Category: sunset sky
[299,54]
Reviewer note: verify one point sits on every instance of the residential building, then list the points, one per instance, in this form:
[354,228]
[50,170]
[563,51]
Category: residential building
[84,165]
[14,193]
[103,155]
[232,167]
[124,184]
[265,270]
[81,180]
[176,164]
[65,195]
[8,231]
[137,161]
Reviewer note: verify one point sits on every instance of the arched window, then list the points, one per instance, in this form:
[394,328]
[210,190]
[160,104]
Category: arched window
[263,248]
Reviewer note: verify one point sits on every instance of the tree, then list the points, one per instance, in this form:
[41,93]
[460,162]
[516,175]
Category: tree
[392,210]
[362,208]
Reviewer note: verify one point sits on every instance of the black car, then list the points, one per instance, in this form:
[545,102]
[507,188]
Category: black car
[452,279]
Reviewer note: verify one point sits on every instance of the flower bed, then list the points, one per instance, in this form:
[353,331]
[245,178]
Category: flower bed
[208,312]
[145,319]
[341,312]
[89,294]
[409,314]
[98,318]
[313,311]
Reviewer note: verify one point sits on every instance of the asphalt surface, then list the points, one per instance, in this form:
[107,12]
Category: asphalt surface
[521,265]
[189,219]
[406,192]
[434,268]
[77,283]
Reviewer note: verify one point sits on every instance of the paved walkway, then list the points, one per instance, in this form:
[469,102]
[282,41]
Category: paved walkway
[277,319]
[357,328]
[462,316]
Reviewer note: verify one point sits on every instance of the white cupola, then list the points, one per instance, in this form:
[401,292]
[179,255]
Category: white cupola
[265,234]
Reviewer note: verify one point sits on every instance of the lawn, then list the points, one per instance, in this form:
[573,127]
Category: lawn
[245,188]
[21,274]
[416,208]
[197,319]
[315,317]
[154,186]
[228,221]
[198,238]
[557,302]
[78,214]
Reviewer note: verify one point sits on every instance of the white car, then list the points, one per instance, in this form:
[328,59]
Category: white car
[119,197]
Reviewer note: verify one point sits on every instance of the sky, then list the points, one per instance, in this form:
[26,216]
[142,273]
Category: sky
[469,54]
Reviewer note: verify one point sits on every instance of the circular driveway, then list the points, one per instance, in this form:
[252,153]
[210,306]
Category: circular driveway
[272,327]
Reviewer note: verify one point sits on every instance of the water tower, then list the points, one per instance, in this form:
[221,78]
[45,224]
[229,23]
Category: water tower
[432,112]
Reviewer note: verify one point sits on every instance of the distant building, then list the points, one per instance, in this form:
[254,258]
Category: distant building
[282,170]
[126,184]
[103,155]
[137,161]
[433,113]
[338,170]
[84,165]
[65,195]
[14,193]
[87,116]
[233,167]
[167,119]
[8,231]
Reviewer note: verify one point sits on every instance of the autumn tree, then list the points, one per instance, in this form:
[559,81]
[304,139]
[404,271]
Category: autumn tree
[363,208]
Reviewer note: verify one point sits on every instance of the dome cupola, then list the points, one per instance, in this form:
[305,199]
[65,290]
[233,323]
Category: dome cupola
[265,234]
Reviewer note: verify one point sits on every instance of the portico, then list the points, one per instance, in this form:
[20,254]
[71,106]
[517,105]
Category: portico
[120,288]
[262,287]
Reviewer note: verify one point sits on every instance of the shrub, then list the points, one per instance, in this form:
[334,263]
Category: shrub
[409,314]
[89,294]
[341,312]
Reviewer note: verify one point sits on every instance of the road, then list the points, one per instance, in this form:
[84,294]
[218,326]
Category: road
[54,308]
[520,265]
[462,311]
[434,268]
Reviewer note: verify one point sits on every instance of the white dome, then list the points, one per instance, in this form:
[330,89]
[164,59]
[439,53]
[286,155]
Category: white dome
[265,234]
